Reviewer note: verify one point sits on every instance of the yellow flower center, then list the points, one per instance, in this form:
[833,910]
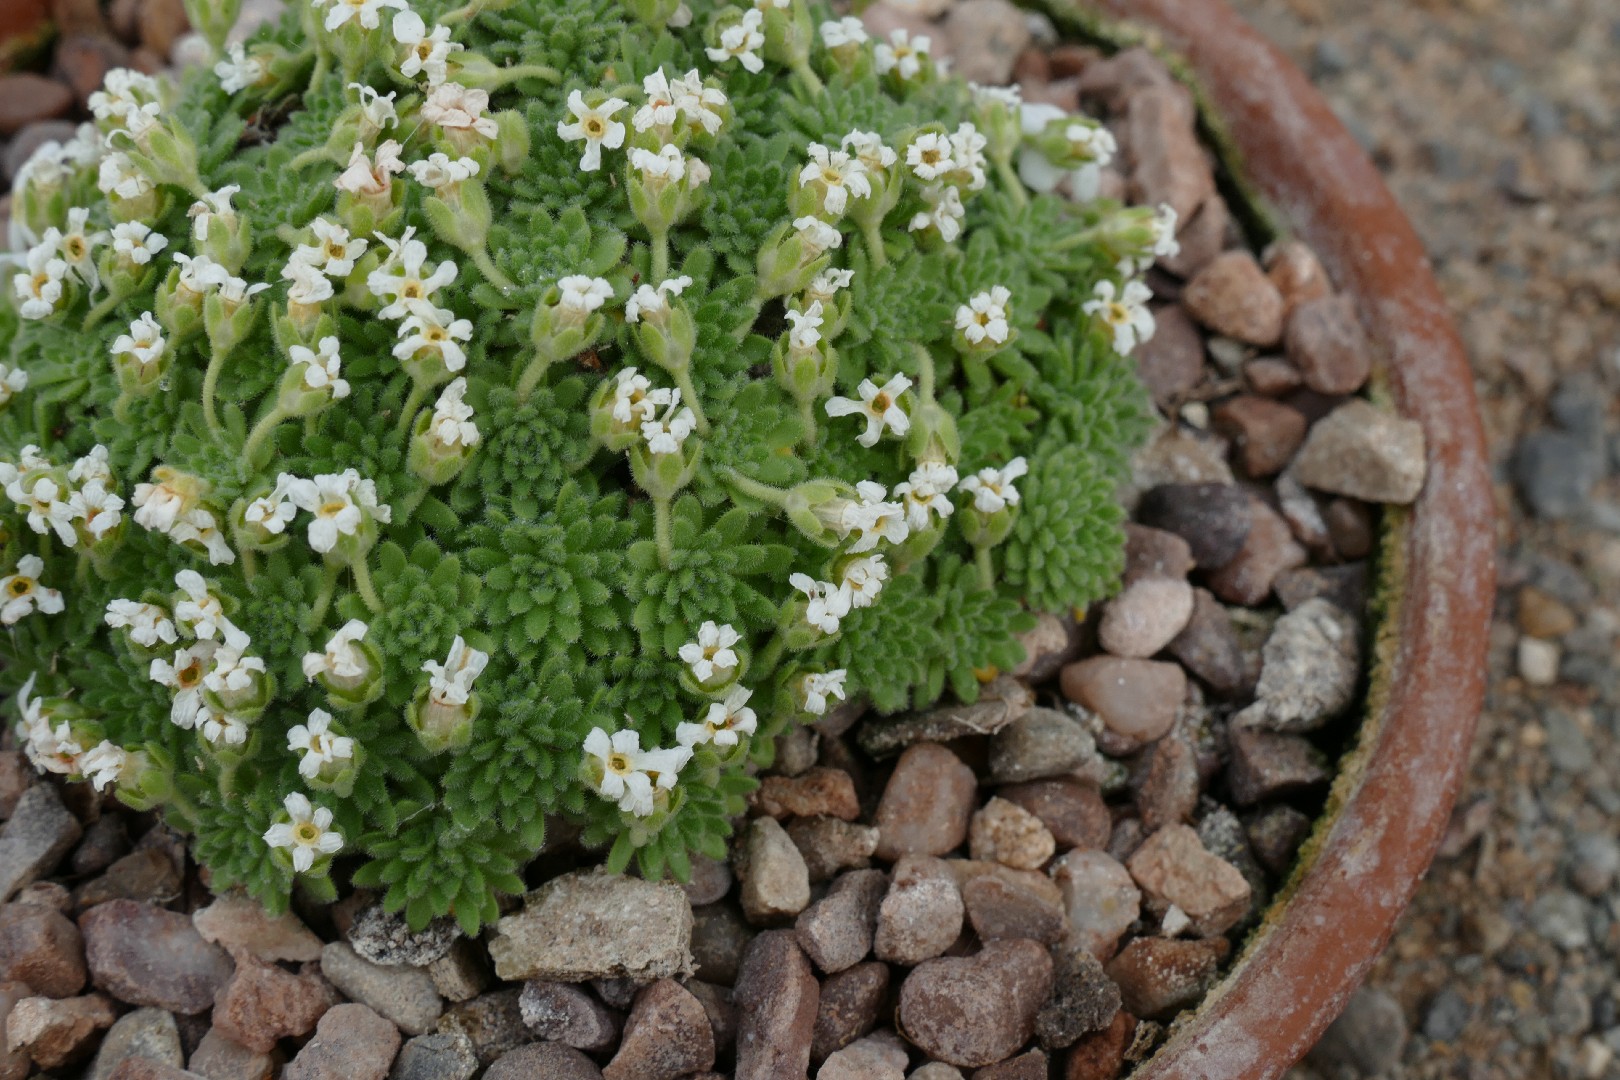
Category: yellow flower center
[332,507]
[619,764]
[20,586]
[305,832]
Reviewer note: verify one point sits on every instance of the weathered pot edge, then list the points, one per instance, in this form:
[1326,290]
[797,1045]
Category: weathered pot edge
[1393,798]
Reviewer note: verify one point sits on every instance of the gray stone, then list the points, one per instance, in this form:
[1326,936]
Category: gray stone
[987,36]
[1213,518]
[976,1010]
[1101,896]
[1000,703]
[775,880]
[1310,667]
[566,1013]
[38,834]
[1145,617]
[145,955]
[493,1021]
[1369,1036]
[589,924]
[1562,918]
[921,914]
[836,931]
[403,995]
[219,1058]
[41,947]
[1043,743]
[239,922]
[551,1061]
[1084,999]
[1594,863]
[351,1043]
[1555,472]
[1447,1015]
[439,1056]
[879,1056]
[462,973]
[383,937]
[1366,453]
[149,1034]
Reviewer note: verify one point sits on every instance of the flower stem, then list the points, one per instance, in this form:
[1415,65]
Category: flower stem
[872,237]
[216,365]
[261,430]
[660,255]
[308,158]
[770,655]
[413,402]
[1011,183]
[925,373]
[661,531]
[323,64]
[753,488]
[491,272]
[807,413]
[531,377]
[987,569]
[103,309]
[509,75]
[408,505]
[362,582]
[811,80]
[250,564]
[323,599]
[683,379]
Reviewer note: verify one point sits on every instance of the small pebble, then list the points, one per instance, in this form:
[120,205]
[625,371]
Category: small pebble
[567,1013]
[1137,699]
[1173,867]
[1145,617]
[1073,813]
[264,1003]
[1538,661]
[848,1007]
[1042,743]
[1364,452]
[403,995]
[1158,977]
[830,846]
[666,1036]
[926,805]
[1212,518]
[1102,899]
[921,914]
[1233,297]
[351,1043]
[978,1010]
[775,880]
[1325,341]
[777,998]
[1004,832]
[836,931]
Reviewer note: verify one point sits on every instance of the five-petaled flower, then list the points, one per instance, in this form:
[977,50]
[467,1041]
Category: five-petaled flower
[318,744]
[740,40]
[827,603]
[723,724]
[341,660]
[902,54]
[307,834]
[984,317]
[595,126]
[137,242]
[1125,313]
[426,53]
[837,33]
[321,367]
[817,687]
[927,491]
[340,503]
[238,71]
[21,592]
[837,175]
[451,426]
[880,405]
[630,775]
[450,683]
[147,624]
[652,303]
[711,655]
[992,489]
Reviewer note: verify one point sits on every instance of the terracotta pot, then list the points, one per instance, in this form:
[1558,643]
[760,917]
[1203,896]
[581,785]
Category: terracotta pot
[1394,797]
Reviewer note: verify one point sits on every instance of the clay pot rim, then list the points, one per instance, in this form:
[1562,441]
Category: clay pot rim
[1395,796]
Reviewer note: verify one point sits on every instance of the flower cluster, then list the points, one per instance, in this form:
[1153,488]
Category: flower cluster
[570,415]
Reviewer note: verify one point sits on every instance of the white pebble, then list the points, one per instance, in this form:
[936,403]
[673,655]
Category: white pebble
[1538,661]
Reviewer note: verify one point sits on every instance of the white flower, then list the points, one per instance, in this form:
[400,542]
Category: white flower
[1163,230]
[137,242]
[945,212]
[307,835]
[21,592]
[662,107]
[99,508]
[451,682]
[699,103]
[123,89]
[232,289]
[340,502]
[159,506]
[711,655]
[846,31]
[199,526]
[869,149]
[147,624]
[881,407]
[13,380]
[93,466]
[221,729]
[630,775]
[455,107]
[652,302]
[724,723]
[902,54]
[206,209]
[863,579]
[739,40]
[102,763]
[817,236]
[378,109]
[927,491]
[77,246]
[874,519]
[334,253]
[275,511]
[321,367]
[828,603]
[184,675]
[1126,314]
[197,274]
[665,434]
[118,175]
[46,503]
[368,13]
[841,176]
[238,70]
[371,175]
[40,286]
[826,284]
[659,170]
[434,328]
[442,171]
[594,124]
[984,317]
[579,295]
[452,424]
[233,672]
[929,155]
[318,745]
[341,660]
[634,399]
[1089,142]
[406,278]
[309,286]
[967,147]
[1010,96]
[992,489]
[818,686]
[806,330]
[202,615]
[426,53]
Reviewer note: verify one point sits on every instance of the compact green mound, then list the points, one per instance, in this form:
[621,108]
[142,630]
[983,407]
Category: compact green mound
[428,423]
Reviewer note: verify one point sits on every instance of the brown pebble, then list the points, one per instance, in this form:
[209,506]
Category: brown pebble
[1154,553]
[1173,867]
[83,60]
[1135,698]
[926,805]
[1171,362]
[1006,833]
[921,914]
[567,1013]
[1210,648]
[1026,1066]
[1102,899]
[1158,977]
[1295,270]
[41,947]
[1074,813]
[1364,452]
[1168,163]
[553,1061]
[719,936]
[1271,376]
[148,956]
[1267,551]
[1234,298]
[836,931]
[1145,616]
[775,880]
[976,1010]
[1101,1055]
[1272,765]
[997,908]
[1202,237]
[1350,524]
[830,846]
[1264,433]
[666,1036]
[1326,342]
[1212,518]
[819,792]
[1543,615]
[777,999]
[1168,793]
[264,1003]
[58,1031]
[27,98]
[848,1008]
